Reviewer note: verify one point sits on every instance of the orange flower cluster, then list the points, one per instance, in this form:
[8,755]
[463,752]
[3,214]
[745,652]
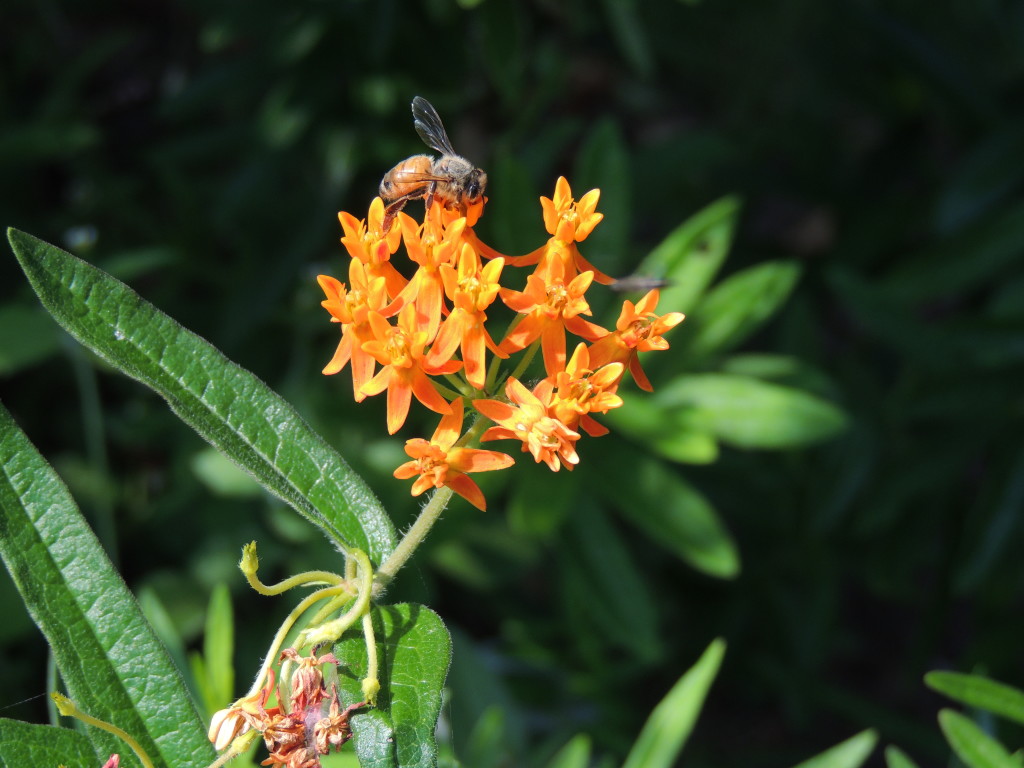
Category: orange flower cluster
[414,327]
[295,736]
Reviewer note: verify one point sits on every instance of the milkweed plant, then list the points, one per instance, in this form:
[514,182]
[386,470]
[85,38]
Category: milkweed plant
[507,354]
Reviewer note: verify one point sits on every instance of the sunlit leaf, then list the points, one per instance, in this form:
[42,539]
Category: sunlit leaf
[111,661]
[671,722]
[897,758]
[749,413]
[674,514]
[847,754]
[971,744]
[25,744]
[414,651]
[575,754]
[735,308]
[226,404]
[981,692]
[690,257]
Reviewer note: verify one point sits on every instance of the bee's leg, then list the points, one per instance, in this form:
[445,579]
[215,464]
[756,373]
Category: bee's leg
[392,211]
[429,199]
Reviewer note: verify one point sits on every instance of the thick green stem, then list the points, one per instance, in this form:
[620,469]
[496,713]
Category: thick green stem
[414,536]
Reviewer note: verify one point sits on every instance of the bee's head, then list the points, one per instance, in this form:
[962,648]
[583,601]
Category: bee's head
[476,183]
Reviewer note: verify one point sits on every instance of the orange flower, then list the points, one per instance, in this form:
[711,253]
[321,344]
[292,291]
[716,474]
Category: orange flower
[546,438]
[369,243]
[638,329]
[400,349]
[578,391]
[550,307]
[568,220]
[471,289]
[439,463]
[351,307]
[430,245]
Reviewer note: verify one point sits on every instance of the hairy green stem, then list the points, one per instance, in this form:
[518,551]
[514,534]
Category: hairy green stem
[414,536]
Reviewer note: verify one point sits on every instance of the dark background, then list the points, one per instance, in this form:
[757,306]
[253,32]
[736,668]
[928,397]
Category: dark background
[200,152]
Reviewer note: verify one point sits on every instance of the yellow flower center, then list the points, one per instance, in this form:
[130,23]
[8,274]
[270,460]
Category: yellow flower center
[557,297]
[397,348]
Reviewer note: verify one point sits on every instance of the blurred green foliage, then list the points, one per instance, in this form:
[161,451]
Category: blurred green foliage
[200,151]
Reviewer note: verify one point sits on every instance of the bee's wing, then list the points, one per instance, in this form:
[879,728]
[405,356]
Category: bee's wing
[428,125]
[638,283]
[409,177]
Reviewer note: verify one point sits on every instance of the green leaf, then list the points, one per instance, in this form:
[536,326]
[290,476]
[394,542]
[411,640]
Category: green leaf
[690,257]
[847,754]
[219,648]
[897,758]
[669,725]
[668,509]
[486,745]
[111,661]
[980,692]
[736,308]
[414,651]
[671,435]
[25,744]
[749,413]
[575,754]
[232,409]
[971,744]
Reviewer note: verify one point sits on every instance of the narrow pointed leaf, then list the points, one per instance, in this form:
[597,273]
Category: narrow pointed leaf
[673,513]
[414,651]
[25,744]
[228,406]
[980,692]
[736,308]
[669,725]
[971,744]
[690,257]
[575,754]
[750,413]
[110,659]
[897,758]
[847,754]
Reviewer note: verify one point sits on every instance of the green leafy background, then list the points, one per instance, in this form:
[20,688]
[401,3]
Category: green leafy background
[829,474]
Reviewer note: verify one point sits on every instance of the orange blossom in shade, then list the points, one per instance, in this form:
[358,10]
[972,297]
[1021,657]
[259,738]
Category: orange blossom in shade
[351,306]
[369,243]
[638,329]
[526,418]
[471,289]
[438,462]
[550,307]
[429,245]
[573,394]
[400,349]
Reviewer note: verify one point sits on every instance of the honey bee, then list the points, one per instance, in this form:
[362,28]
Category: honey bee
[451,179]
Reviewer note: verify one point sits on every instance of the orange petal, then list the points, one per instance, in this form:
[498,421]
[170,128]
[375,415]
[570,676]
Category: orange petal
[341,355]
[638,374]
[477,460]
[426,394]
[467,489]
[399,398]
[450,428]
[495,410]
